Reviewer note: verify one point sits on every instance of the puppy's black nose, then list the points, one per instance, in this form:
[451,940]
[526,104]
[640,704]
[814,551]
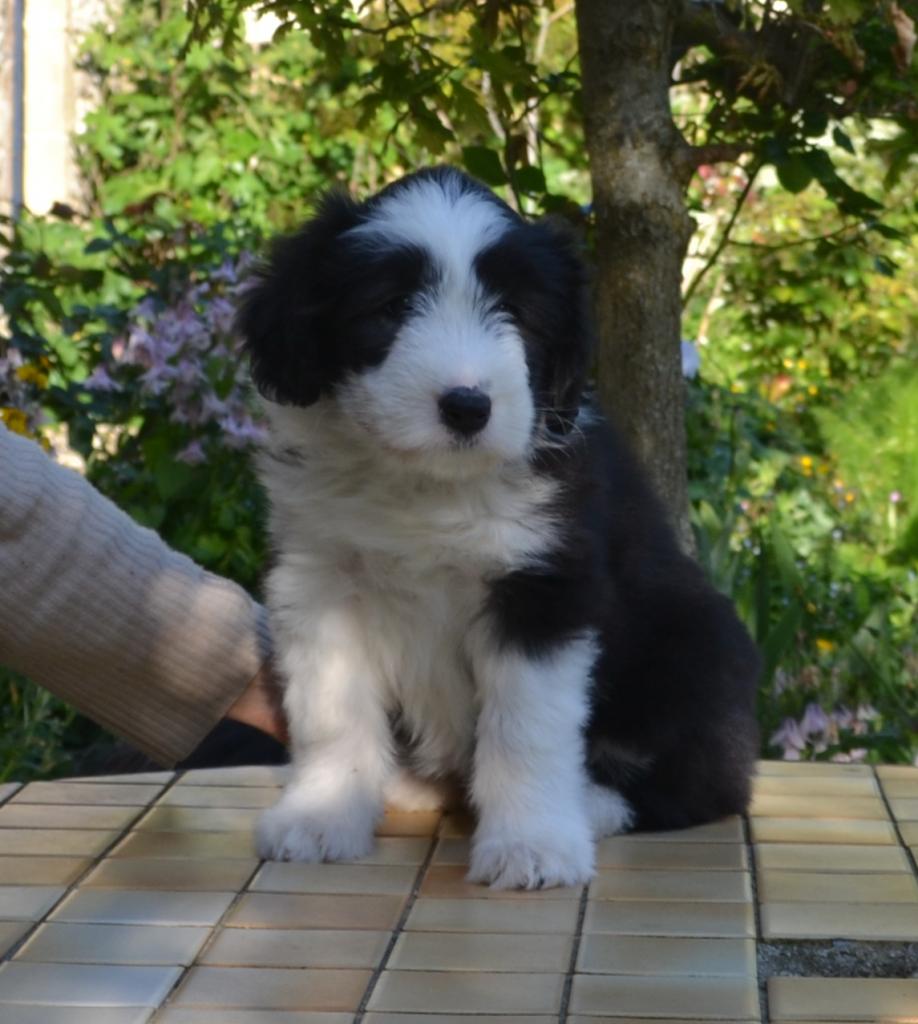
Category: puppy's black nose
[465,410]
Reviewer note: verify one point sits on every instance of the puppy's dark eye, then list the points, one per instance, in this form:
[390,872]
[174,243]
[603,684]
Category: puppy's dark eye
[398,307]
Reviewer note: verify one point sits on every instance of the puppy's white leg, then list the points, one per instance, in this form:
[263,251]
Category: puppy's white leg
[529,781]
[340,737]
[609,812]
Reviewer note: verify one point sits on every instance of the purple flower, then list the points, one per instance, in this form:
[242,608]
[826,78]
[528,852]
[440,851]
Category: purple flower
[815,721]
[99,380]
[192,453]
[790,738]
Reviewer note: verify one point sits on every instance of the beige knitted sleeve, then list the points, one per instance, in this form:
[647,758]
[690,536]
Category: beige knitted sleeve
[101,612]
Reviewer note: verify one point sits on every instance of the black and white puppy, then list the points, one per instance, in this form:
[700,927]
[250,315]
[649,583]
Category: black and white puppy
[472,579]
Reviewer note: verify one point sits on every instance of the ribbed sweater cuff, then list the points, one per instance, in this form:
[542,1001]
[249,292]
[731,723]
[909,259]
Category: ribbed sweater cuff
[100,611]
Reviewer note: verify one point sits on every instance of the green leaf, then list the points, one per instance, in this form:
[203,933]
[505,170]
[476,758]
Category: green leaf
[485,164]
[795,173]
[815,122]
[98,245]
[843,140]
[529,179]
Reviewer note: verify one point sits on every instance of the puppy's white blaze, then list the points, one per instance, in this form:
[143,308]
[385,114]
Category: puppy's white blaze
[440,216]
[529,783]
[445,345]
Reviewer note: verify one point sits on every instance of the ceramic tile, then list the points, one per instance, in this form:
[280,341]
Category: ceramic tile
[287,947]
[901,787]
[785,805]
[656,955]
[448,881]
[41,1013]
[727,830]
[897,771]
[197,819]
[733,999]
[28,902]
[800,830]
[93,794]
[435,1018]
[816,785]
[823,857]
[452,851]
[660,917]
[275,910]
[113,906]
[811,769]
[637,853]
[85,985]
[380,879]
[7,789]
[176,1015]
[576,1018]
[131,778]
[55,842]
[460,1018]
[220,796]
[161,873]
[56,942]
[904,808]
[187,845]
[459,992]
[17,815]
[849,999]
[486,915]
[41,870]
[10,933]
[397,850]
[721,886]
[272,989]
[804,886]
[399,824]
[886,921]
[243,775]
[463,951]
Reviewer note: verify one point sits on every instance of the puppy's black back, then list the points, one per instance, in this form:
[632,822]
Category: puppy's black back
[672,723]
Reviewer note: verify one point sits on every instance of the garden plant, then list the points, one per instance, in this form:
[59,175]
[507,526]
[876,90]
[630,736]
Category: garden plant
[792,196]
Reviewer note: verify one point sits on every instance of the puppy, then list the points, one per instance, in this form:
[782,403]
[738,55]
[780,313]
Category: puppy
[472,579]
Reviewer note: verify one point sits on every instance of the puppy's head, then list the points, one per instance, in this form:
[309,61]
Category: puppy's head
[443,327]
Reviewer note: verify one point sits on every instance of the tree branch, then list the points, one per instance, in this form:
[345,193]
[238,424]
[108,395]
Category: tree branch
[725,237]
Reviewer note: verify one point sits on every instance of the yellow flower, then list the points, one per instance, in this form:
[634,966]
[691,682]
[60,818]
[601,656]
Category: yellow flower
[801,364]
[736,388]
[32,375]
[788,364]
[849,497]
[15,419]
[806,461]
[813,390]
[823,645]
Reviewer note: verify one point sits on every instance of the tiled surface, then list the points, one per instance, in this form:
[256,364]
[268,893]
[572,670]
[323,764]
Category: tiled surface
[139,900]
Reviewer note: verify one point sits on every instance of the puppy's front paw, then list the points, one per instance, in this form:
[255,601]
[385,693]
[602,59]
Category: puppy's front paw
[520,862]
[292,833]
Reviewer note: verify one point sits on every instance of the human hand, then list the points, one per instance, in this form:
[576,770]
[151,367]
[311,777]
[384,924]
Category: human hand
[260,705]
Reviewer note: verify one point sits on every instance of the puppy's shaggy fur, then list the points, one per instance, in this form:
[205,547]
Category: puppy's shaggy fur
[473,581]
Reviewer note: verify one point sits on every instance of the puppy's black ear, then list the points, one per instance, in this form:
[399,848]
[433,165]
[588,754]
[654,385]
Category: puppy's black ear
[572,344]
[284,314]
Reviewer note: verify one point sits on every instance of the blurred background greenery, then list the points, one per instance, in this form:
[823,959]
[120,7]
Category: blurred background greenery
[117,349]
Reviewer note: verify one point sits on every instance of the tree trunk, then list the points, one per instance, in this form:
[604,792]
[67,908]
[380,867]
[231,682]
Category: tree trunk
[637,159]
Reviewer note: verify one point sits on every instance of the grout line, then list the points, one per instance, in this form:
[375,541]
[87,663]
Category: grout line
[761,983]
[96,861]
[215,929]
[910,857]
[400,924]
[575,950]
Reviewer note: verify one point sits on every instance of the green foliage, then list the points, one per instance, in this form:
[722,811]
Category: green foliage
[801,428]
